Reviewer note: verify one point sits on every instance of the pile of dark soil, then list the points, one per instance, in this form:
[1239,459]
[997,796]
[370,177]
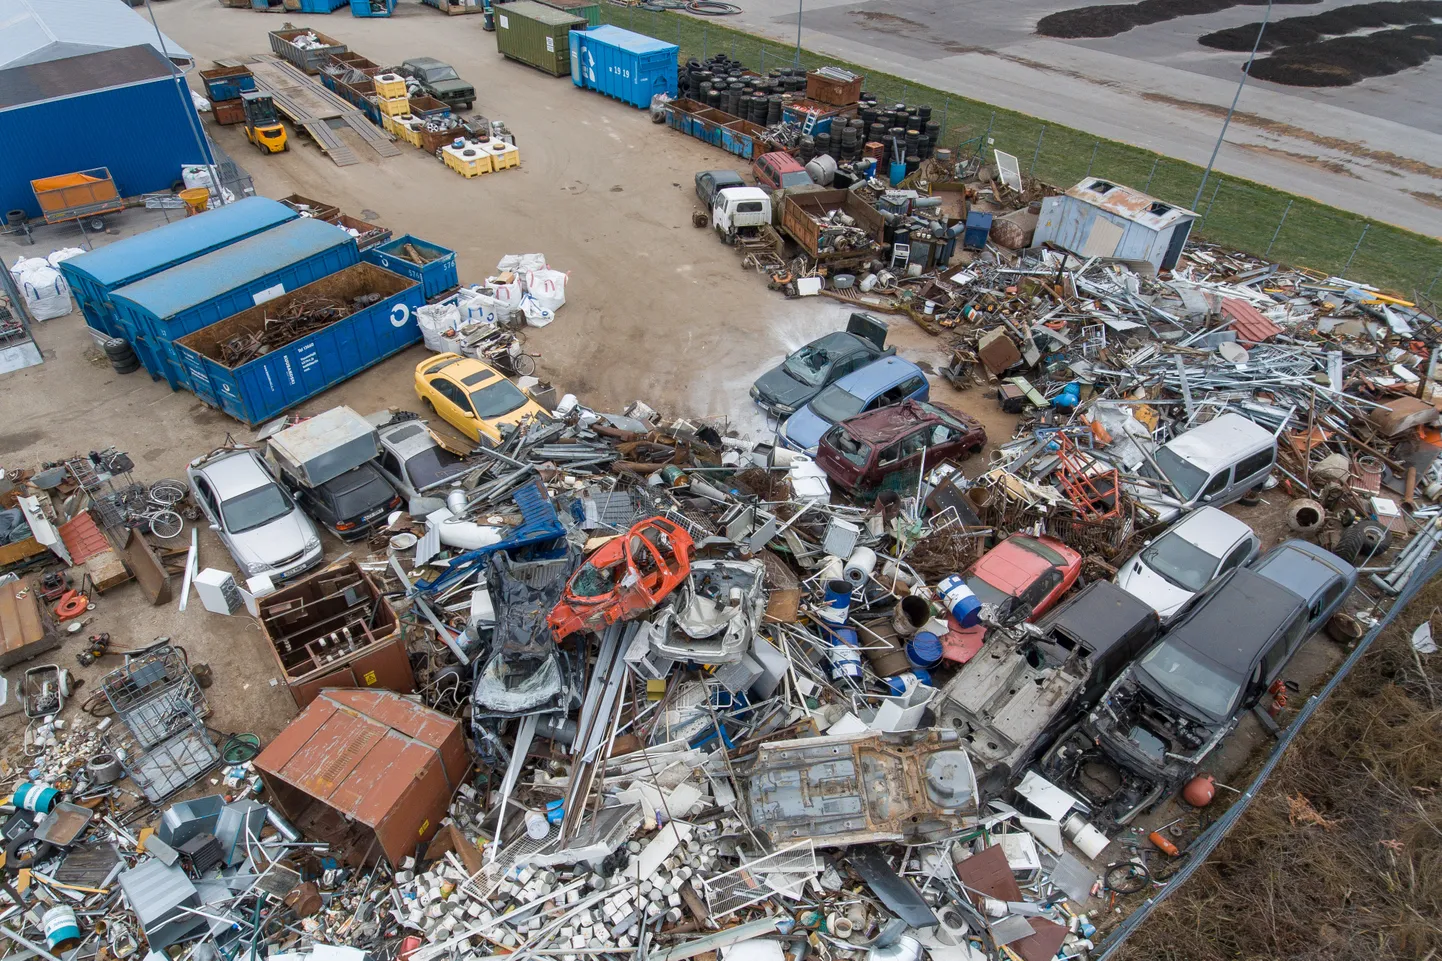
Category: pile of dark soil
[1333,23]
[1109,20]
[1342,61]
[1340,856]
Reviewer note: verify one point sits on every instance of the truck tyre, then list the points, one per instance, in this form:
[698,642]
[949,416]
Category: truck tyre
[1362,540]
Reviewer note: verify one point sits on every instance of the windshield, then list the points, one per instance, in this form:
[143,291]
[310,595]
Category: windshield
[1191,679]
[1182,563]
[359,491]
[1188,478]
[500,397]
[254,508]
[836,403]
[437,74]
[986,593]
[808,365]
[433,465]
[1039,549]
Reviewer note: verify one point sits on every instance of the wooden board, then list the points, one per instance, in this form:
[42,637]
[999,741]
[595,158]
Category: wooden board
[25,631]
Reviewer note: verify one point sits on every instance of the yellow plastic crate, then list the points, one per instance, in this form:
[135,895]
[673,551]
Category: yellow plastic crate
[405,127]
[390,85]
[394,106]
[479,161]
[503,155]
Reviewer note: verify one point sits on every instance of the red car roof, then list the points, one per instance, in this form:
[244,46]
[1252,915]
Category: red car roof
[1011,567]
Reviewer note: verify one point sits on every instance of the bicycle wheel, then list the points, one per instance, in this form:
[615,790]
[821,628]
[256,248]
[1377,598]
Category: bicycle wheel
[168,492]
[166,524]
[524,365]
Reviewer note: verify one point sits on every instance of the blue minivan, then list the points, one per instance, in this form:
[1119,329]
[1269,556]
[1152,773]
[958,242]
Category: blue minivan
[881,383]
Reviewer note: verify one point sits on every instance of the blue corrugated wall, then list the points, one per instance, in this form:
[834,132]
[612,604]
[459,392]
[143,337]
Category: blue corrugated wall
[140,132]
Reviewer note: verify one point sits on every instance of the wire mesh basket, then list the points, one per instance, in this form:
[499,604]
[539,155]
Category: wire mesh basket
[150,688]
[181,755]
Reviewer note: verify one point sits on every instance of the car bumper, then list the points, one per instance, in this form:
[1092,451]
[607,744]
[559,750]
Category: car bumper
[309,560]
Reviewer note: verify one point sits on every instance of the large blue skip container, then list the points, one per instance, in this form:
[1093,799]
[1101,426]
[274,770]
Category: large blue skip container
[436,276]
[94,276]
[630,67]
[159,310]
[263,387]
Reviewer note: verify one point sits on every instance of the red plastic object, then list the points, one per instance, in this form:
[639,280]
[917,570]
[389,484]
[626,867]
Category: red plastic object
[626,577]
[1200,790]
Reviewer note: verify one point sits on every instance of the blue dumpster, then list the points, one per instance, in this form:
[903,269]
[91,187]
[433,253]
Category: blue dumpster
[630,67]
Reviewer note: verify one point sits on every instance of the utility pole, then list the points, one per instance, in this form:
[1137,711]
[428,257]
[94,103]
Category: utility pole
[1246,72]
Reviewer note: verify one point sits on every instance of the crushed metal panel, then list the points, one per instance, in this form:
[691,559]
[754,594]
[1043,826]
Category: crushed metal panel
[861,788]
[783,873]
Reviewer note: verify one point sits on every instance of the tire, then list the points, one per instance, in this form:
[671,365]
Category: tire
[166,524]
[1251,498]
[26,851]
[167,492]
[129,368]
[524,365]
[1362,540]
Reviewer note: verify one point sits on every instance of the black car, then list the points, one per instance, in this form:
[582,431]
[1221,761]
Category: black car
[711,182]
[785,388]
[351,505]
[1162,717]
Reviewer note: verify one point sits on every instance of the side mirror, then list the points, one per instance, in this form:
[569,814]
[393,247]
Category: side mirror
[1147,542]
[1207,499]
[215,527]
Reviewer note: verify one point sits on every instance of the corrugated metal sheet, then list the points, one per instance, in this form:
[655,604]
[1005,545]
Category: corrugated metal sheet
[194,282]
[630,67]
[1129,204]
[536,34]
[33,31]
[41,140]
[374,757]
[1251,325]
[95,275]
[581,8]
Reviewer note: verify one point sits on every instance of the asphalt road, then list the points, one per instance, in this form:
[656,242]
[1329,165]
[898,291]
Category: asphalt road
[1365,148]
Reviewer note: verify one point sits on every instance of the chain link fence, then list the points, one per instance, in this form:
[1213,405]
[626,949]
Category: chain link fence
[1233,212]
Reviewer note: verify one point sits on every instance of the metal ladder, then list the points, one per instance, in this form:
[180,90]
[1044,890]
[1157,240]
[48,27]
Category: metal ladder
[809,125]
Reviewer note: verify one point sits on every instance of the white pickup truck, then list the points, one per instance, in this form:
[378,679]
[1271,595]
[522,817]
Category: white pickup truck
[738,212]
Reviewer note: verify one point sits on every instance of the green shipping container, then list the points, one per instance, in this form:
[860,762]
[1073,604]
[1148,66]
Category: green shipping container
[536,34]
[581,8]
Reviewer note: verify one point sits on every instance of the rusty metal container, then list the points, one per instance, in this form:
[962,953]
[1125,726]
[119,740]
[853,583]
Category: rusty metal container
[368,771]
[333,629]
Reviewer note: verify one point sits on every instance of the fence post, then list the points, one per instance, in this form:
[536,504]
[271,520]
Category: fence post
[1348,266]
[763,61]
[678,30]
[905,93]
[981,144]
[1095,146]
[1278,232]
[703,43]
[733,48]
[945,109]
[1435,278]
[1208,212]
[1030,170]
[1148,188]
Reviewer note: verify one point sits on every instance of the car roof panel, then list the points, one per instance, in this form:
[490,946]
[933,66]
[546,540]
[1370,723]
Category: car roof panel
[1233,625]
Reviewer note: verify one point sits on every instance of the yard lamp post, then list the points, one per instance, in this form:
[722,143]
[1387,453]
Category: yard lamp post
[183,89]
[1246,72]
[799,4]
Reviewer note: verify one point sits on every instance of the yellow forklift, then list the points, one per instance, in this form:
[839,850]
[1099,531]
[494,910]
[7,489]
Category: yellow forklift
[262,124]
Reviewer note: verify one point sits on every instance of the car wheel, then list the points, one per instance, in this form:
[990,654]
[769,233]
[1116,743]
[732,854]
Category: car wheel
[1251,498]
[426,403]
[1362,540]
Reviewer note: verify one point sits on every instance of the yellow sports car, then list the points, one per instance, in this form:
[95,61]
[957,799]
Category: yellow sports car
[472,397]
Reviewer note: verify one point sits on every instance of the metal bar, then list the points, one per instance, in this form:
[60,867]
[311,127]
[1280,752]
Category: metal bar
[1276,233]
[1348,265]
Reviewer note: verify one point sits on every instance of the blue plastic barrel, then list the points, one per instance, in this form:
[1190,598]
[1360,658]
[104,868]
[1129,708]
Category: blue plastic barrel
[924,650]
[844,652]
[902,683]
[836,604]
[898,172]
[35,797]
[960,601]
[62,931]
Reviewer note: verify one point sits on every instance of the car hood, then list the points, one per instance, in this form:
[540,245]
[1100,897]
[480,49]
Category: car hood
[778,387]
[451,86]
[804,428]
[280,540]
[1145,584]
[1167,507]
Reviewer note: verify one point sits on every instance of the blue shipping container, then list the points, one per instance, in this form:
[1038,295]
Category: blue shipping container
[372,8]
[437,276]
[94,276]
[143,155]
[628,66]
[261,388]
[157,311]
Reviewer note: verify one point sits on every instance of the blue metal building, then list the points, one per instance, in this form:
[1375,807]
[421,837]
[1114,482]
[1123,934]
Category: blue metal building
[95,276]
[155,312]
[630,67]
[128,110]
[1097,218]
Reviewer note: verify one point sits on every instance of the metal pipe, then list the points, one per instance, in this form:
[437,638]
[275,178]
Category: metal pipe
[1246,72]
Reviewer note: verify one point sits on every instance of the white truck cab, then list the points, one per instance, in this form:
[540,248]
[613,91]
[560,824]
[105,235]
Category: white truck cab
[740,211]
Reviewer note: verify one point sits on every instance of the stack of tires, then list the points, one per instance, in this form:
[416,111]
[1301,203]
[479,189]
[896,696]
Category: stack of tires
[121,355]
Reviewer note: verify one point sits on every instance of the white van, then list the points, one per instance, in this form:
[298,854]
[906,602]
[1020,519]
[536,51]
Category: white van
[1215,463]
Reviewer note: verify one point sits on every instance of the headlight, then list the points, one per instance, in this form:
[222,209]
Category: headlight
[312,542]
[784,410]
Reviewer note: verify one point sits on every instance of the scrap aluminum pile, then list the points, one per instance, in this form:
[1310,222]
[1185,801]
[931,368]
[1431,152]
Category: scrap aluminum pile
[668,693]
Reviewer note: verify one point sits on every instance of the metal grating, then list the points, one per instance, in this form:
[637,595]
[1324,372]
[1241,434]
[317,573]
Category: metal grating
[784,873]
